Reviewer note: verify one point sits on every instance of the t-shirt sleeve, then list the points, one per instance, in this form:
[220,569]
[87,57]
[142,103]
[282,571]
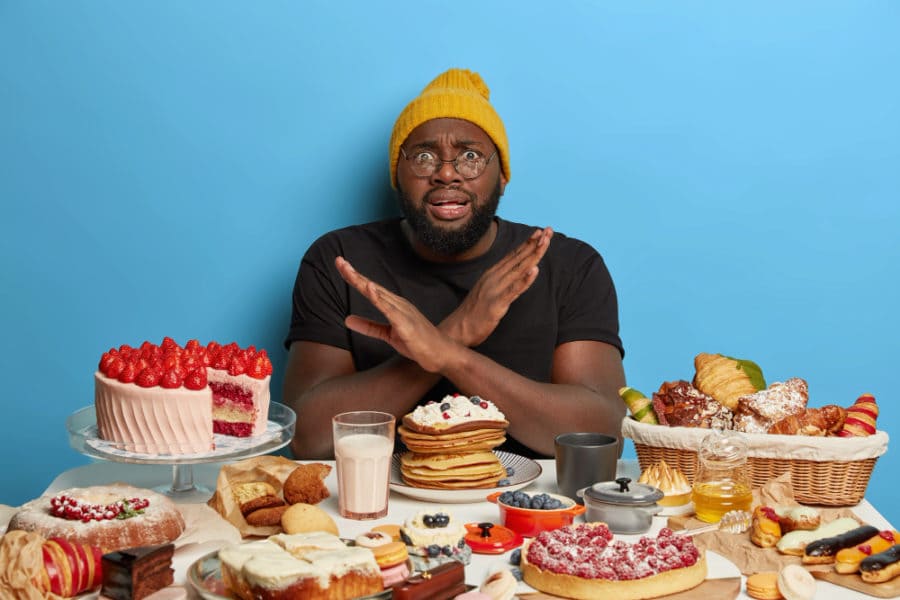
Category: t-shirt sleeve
[319,300]
[589,307]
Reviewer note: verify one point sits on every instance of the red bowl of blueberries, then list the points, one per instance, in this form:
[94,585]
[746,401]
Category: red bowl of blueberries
[529,515]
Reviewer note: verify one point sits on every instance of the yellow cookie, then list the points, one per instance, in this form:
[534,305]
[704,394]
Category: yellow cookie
[304,518]
[390,554]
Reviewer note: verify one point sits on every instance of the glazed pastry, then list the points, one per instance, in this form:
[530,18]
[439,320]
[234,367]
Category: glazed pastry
[812,421]
[848,559]
[881,567]
[823,550]
[861,417]
[756,413]
[797,517]
[765,530]
[640,406]
[796,583]
[727,379]
[678,403]
[795,542]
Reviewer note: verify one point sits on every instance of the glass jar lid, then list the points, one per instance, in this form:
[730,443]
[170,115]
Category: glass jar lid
[623,492]
[723,446]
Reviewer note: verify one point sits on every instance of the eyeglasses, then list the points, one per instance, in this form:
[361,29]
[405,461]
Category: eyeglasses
[468,163]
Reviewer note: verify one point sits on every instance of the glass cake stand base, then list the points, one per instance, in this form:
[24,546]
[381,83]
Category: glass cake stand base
[183,490]
[83,437]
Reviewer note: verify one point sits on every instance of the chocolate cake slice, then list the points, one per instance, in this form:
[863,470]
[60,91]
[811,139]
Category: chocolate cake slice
[136,573]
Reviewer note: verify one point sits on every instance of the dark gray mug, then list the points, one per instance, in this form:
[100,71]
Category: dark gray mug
[583,459]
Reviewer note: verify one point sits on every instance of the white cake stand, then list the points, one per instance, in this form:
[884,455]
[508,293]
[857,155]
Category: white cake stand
[83,437]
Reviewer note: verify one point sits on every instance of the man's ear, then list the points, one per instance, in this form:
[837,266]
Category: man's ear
[502,183]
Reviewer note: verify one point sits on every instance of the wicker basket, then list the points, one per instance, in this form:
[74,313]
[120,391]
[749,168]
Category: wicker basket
[825,471]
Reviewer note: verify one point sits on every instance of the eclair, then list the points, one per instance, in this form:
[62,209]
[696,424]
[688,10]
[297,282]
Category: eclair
[881,567]
[795,542]
[823,550]
[848,559]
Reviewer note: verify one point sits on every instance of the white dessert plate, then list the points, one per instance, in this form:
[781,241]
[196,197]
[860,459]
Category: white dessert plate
[524,471]
[205,576]
[674,511]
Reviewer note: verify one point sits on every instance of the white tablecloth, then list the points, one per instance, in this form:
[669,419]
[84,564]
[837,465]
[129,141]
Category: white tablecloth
[400,507]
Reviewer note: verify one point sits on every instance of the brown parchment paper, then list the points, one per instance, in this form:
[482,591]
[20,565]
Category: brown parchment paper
[270,469]
[738,548]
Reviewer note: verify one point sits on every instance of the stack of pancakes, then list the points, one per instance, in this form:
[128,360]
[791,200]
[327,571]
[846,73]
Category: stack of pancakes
[455,454]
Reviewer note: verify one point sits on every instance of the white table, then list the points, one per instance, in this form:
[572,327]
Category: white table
[400,507]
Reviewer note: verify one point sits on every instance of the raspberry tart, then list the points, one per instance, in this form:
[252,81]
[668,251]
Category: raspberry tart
[110,517]
[168,399]
[583,562]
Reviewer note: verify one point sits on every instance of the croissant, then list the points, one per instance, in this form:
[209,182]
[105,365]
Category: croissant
[726,379]
[812,421]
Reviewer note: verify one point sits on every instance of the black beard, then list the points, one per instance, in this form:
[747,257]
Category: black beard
[449,242]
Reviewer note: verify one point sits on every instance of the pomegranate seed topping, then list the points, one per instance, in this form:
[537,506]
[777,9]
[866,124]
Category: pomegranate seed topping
[865,549]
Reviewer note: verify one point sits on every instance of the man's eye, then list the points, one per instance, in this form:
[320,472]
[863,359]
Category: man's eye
[424,158]
[470,155]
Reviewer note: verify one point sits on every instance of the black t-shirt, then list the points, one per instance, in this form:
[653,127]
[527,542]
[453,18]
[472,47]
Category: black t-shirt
[573,298]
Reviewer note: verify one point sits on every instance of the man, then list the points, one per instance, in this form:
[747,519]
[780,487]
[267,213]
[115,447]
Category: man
[451,298]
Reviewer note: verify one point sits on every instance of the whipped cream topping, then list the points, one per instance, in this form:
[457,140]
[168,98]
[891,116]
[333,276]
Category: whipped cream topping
[423,536]
[282,560]
[454,410]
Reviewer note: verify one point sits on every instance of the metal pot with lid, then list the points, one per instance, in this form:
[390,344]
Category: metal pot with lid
[625,507]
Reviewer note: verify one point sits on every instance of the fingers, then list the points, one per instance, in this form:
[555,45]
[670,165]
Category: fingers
[368,328]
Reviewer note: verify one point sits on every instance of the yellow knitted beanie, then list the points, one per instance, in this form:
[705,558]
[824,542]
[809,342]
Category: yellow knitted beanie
[455,94]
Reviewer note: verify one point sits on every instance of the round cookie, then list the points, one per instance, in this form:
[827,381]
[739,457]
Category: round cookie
[266,517]
[306,484]
[500,585]
[764,586]
[304,518]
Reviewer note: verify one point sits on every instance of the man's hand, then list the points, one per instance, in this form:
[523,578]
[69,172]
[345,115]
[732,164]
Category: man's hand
[498,287]
[408,331]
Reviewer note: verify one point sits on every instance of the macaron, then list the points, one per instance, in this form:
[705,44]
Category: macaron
[393,575]
[500,585]
[764,586]
[390,554]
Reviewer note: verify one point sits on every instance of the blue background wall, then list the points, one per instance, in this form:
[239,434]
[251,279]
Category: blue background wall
[164,165]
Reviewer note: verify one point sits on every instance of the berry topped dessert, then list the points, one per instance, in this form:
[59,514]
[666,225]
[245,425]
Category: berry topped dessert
[583,561]
[111,517]
[168,399]
[434,538]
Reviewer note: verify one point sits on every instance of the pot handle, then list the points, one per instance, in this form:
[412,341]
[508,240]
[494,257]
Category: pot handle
[492,497]
[656,508]
[575,510]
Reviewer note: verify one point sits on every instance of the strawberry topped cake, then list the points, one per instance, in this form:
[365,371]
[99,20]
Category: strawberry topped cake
[583,561]
[168,399]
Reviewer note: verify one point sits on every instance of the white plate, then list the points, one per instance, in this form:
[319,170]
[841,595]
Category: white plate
[205,576]
[525,471]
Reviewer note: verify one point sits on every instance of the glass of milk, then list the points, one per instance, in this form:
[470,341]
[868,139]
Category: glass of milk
[363,446]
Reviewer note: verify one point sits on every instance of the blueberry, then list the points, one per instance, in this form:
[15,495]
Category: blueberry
[510,471]
[447,551]
[428,521]
[441,520]
[505,497]
[445,406]
[405,538]
[516,557]
[517,573]
[475,400]
[461,543]
[554,503]
[502,483]
[537,502]
[433,550]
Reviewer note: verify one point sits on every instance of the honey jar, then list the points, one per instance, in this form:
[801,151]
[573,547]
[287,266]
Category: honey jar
[721,483]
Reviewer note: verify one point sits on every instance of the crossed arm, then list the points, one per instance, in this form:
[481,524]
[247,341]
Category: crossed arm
[321,380]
